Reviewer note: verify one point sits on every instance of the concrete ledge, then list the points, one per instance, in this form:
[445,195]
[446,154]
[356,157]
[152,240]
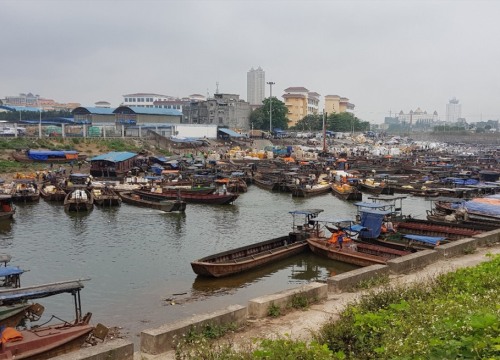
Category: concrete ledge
[162,339]
[413,261]
[457,247]
[349,280]
[488,238]
[259,307]
[118,349]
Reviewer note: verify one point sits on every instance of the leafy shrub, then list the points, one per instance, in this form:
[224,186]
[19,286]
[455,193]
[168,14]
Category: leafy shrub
[299,301]
[273,310]
[454,316]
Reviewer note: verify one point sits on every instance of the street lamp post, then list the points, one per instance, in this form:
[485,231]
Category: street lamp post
[270,83]
[40,125]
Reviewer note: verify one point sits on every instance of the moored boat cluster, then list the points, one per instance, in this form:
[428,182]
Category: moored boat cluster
[463,191]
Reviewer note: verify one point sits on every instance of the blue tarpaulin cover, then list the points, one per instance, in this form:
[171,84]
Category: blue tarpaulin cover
[45,154]
[372,221]
[433,240]
[10,270]
[489,205]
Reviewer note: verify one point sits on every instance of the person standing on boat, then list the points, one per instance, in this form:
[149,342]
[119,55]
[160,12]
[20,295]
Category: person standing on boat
[340,240]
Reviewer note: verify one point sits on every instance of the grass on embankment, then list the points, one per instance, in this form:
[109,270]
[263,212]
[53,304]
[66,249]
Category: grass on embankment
[455,316]
[90,147]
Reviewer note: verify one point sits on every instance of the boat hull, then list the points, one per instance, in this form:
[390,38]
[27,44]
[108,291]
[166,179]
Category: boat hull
[46,342]
[351,195]
[215,199]
[79,200]
[363,256]
[248,257]
[299,191]
[143,201]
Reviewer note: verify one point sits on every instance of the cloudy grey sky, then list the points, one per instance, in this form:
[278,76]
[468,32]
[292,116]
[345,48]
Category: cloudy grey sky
[383,55]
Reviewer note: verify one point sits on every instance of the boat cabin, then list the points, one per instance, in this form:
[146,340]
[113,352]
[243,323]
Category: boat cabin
[306,223]
[113,164]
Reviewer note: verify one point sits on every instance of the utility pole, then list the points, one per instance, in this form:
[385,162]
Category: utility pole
[270,83]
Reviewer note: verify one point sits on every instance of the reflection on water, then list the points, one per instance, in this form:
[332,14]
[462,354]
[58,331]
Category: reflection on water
[300,269]
[137,257]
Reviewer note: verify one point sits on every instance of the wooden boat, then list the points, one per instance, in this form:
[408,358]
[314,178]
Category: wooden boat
[233,185]
[251,256]
[310,190]
[346,192]
[79,200]
[47,341]
[7,209]
[25,191]
[48,156]
[214,199]
[190,189]
[13,314]
[356,253]
[105,196]
[360,254]
[266,184]
[153,202]
[52,192]
[372,187]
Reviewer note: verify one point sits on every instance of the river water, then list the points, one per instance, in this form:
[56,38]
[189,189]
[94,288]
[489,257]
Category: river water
[136,257]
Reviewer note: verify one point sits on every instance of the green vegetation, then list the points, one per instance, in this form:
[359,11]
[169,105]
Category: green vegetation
[372,282]
[343,122]
[117,145]
[455,316]
[8,166]
[284,348]
[273,310]
[259,118]
[299,302]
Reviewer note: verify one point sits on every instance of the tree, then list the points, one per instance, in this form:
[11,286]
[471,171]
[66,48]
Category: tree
[258,120]
[310,123]
[346,122]
[260,117]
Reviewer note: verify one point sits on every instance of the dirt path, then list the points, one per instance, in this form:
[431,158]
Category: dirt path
[301,324]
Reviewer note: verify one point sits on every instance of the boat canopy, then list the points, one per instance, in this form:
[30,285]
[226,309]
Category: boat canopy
[433,240]
[371,205]
[306,212]
[40,291]
[332,220]
[5,258]
[10,270]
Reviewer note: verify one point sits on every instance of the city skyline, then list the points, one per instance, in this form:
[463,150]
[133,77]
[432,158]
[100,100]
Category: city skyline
[385,56]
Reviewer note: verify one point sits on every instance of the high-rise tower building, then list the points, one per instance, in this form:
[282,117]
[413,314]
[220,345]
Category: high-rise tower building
[453,111]
[256,81]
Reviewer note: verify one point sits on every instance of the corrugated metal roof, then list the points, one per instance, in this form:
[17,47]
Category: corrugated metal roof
[114,156]
[20,108]
[152,111]
[96,110]
[231,133]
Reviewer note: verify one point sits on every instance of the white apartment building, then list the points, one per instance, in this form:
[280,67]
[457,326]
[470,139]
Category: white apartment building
[256,82]
[453,111]
[144,99]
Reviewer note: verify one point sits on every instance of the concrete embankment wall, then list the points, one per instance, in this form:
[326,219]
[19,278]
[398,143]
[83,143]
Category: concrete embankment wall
[161,340]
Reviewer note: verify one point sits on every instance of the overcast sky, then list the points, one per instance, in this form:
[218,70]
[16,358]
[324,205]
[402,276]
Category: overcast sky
[382,55]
